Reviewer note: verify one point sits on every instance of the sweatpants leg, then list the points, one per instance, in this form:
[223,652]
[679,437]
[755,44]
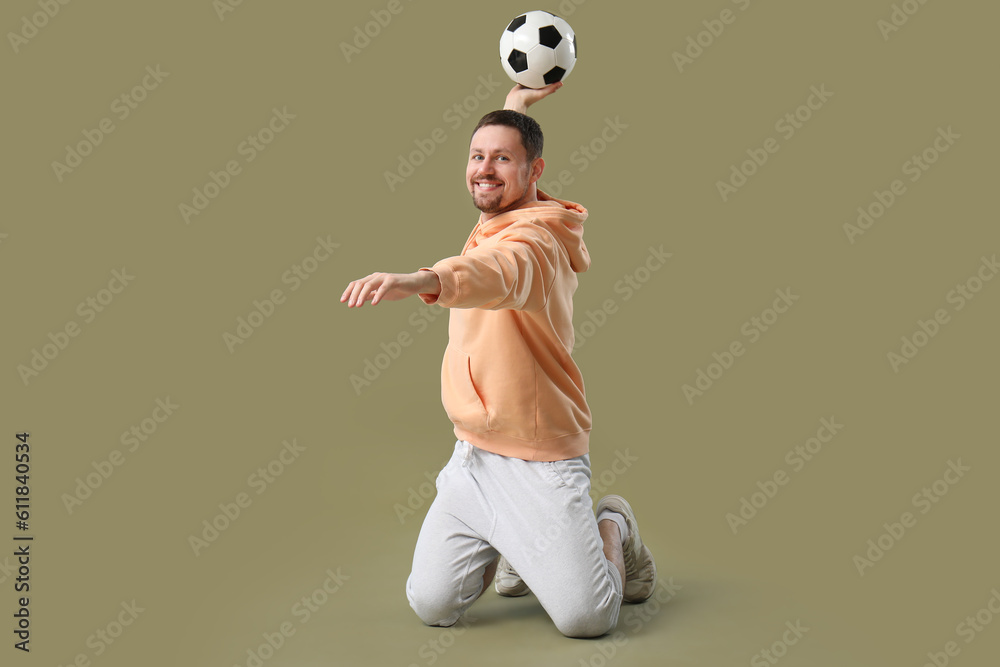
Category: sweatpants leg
[548,533]
[539,516]
[452,551]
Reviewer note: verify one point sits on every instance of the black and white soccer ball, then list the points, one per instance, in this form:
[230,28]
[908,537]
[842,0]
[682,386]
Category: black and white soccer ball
[538,48]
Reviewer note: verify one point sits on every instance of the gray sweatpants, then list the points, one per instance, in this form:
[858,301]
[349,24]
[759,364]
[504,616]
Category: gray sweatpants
[537,514]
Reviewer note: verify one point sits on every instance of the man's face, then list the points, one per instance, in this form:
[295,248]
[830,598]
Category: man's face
[499,176]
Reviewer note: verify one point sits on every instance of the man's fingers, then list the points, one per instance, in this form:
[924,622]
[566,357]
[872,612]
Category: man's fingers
[373,287]
[521,95]
[348,294]
[357,287]
[366,293]
[379,290]
[362,295]
[373,294]
[549,89]
[352,294]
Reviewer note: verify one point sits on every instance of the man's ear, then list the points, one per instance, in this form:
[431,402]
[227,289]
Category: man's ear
[537,167]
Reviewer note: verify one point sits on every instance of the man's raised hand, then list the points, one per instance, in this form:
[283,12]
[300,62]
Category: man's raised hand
[520,98]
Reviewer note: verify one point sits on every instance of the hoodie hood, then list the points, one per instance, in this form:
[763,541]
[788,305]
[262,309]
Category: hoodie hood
[562,217]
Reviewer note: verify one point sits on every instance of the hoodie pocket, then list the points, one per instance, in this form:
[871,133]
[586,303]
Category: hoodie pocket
[461,400]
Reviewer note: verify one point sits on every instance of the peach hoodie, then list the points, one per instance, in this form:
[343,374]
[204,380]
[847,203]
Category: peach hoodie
[508,381]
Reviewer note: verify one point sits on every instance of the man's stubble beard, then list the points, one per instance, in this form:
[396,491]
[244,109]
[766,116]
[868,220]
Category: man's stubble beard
[495,206]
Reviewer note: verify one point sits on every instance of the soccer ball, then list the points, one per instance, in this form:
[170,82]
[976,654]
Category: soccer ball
[538,48]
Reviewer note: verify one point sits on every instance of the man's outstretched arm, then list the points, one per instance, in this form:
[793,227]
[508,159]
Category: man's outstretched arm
[398,286]
[390,286]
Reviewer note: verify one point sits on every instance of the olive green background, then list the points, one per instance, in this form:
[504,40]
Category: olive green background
[352,502]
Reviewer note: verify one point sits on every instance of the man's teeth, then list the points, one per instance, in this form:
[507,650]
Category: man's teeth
[488,186]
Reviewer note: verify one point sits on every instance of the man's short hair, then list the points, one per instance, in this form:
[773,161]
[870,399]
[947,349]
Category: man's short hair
[531,133]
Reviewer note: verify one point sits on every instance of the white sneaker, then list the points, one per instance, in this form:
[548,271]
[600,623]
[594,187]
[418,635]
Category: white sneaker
[640,568]
[508,583]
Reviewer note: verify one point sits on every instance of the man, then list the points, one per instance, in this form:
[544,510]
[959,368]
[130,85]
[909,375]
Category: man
[515,494]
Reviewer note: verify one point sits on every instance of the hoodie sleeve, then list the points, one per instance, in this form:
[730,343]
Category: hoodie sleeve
[516,272]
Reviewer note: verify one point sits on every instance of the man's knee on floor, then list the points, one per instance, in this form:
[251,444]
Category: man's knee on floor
[582,625]
[433,607]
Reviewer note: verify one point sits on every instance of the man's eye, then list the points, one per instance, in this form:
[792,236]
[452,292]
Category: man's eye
[504,158]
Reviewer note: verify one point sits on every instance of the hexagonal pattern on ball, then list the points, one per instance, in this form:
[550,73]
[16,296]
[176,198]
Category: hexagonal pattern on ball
[541,60]
[538,18]
[528,37]
[564,29]
[506,43]
[566,56]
